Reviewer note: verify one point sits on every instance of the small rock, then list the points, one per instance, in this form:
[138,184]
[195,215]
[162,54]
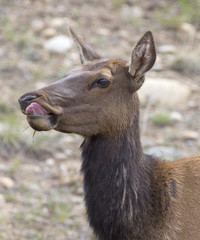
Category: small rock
[68,139]
[59,156]
[158,67]
[50,162]
[134,12]
[80,191]
[189,135]
[2,166]
[176,117]
[34,187]
[6,182]
[49,32]
[68,180]
[104,31]
[3,127]
[68,62]
[137,12]
[192,104]
[77,209]
[187,28]
[191,143]
[168,93]
[63,167]
[68,152]
[76,199]
[163,152]
[124,33]
[2,52]
[2,200]
[166,49]
[37,25]
[45,211]
[57,22]
[58,44]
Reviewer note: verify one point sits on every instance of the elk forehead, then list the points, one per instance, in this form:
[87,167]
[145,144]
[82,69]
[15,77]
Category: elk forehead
[105,63]
[104,69]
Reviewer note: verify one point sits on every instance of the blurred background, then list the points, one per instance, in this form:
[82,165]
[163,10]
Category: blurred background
[41,196]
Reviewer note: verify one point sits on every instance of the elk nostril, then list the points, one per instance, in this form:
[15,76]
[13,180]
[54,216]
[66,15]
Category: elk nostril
[27,98]
[25,101]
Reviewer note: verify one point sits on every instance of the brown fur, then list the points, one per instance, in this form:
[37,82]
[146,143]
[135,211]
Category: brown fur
[129,196]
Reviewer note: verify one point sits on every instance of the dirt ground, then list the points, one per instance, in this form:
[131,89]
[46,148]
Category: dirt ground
[41,195]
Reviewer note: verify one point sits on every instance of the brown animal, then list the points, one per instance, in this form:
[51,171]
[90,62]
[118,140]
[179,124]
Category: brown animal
[128,195]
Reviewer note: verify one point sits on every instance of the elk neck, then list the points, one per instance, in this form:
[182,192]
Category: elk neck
[118,183]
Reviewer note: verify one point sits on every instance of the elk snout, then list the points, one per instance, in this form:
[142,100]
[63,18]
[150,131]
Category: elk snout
[25,101]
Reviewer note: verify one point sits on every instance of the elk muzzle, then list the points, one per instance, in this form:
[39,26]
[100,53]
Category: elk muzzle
[40,115]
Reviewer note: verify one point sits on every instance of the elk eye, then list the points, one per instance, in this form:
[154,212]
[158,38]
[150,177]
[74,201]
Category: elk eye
[103,83]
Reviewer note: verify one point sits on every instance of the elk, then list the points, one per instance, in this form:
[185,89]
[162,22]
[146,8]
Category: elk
[128,195]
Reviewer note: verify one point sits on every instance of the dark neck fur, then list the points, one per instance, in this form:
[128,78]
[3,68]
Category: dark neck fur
[117,183]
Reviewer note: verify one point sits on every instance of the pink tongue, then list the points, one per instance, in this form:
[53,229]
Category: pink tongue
[35,109]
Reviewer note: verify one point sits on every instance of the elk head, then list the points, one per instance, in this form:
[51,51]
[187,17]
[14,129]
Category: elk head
[95,100]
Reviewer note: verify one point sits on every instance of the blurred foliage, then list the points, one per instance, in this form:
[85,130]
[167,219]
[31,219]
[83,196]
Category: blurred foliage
[10,127]
[160,119]
[186,64]
[190,10]
[182,11]
[117,3]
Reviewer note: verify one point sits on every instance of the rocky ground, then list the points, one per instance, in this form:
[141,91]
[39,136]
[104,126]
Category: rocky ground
[41,196]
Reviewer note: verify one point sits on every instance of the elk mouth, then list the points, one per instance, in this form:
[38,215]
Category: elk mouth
[40,118]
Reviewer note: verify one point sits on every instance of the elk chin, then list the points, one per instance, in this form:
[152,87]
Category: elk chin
[42,122]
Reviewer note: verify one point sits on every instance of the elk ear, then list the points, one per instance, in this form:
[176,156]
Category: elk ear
[142,60]
[86,52]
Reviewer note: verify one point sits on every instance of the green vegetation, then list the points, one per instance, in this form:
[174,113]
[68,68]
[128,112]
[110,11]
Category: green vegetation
[10,197]
[15,135]
[13,169]
[168,20]
[187,64]
[38,74]
[182,11]
[58,210]
[160,119]
[190,10]
[1,237]
[10,127]
[117,3]
[34,132]
[101,41]
[38,236]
